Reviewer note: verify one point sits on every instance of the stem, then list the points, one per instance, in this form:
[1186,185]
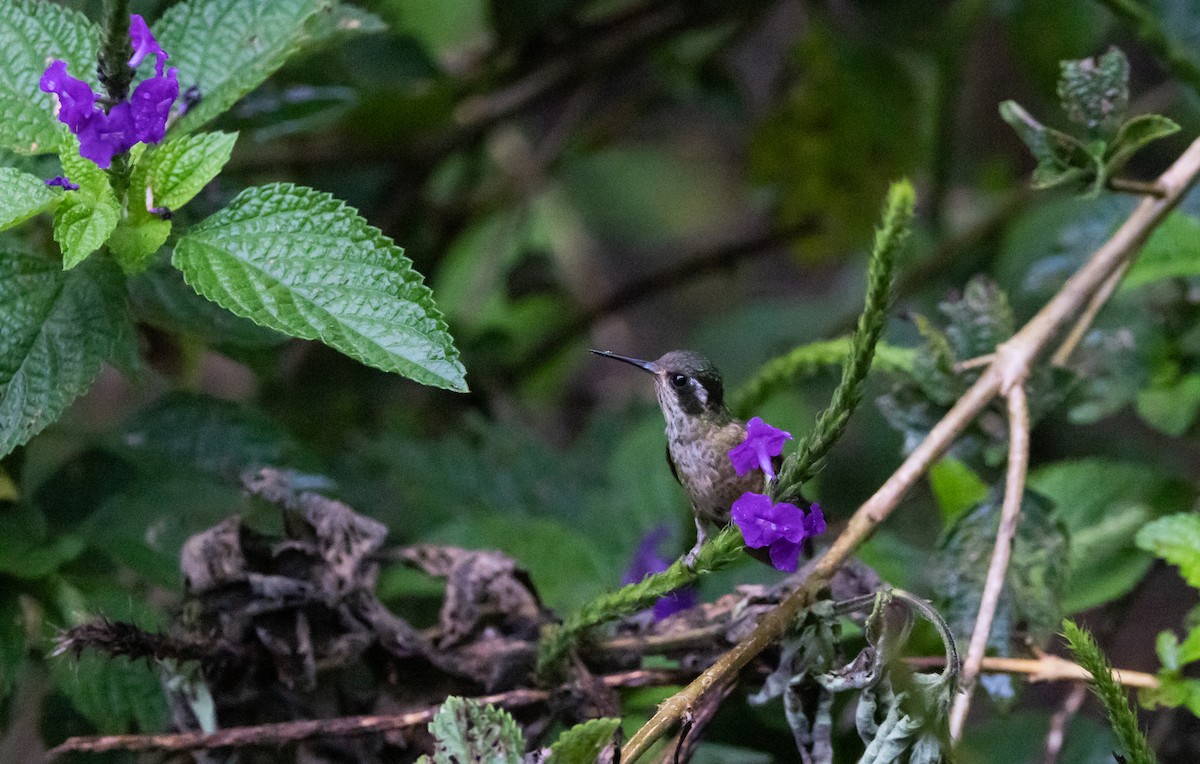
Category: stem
[1011,364]
[115,50]
[1045,668]
[1129,186]
[1010,512]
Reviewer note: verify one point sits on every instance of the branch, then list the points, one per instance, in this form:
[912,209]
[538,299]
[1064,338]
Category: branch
[291,732]
[1014,492]
[1058,724]
[1044,668]
[1012,362]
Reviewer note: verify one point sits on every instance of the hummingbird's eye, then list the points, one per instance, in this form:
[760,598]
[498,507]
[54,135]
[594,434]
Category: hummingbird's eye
[678,380]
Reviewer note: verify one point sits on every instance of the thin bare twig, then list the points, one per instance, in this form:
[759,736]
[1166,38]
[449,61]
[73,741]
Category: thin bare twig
[1010,512]
[1058,723]
[1079,329]
[291,732]
[1044,668]
[1012,363]
[1139,187]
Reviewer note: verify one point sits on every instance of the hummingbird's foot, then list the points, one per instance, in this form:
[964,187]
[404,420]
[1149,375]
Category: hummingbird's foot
[689,559]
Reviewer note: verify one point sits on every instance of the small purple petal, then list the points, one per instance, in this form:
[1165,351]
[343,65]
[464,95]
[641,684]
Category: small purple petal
[785,555]
[105,135]
[646,559]
[789,521]
[144,44]
[76,101]
[676,601]
[150,106]
[814,524]
[62,182]
[750,512]
[762,443]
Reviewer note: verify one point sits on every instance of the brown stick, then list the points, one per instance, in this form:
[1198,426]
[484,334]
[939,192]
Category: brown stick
[291,732]
[993,585]
[1045,668]
[1011,364]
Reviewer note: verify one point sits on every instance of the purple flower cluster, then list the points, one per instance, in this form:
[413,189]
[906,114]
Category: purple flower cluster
[143,118]
[780,527]
[646,561]
[62,182]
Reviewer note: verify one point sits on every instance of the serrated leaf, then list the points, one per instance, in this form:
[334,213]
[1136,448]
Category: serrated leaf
[160,297]
[344,20]
[227,48]
[301,262]
[32,34]
[24,196]
[177,170]
[468,731]
[56,329]
[1176,539]
[1094,92]
[1103,502]
[85,217]
[583,743]
[1135,134]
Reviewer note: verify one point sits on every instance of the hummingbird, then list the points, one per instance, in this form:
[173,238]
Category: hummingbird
[700,433]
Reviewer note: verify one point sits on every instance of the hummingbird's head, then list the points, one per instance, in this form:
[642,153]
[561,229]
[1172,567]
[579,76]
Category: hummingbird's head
[687,383]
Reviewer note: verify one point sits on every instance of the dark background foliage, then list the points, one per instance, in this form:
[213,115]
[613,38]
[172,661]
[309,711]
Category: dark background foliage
[643,176]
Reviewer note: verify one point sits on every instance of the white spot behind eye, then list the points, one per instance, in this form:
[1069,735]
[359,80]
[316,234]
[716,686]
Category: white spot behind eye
[698,389]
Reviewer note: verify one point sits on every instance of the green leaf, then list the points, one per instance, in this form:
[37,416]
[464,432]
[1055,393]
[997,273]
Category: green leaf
[1060,157]
[1095,92]
[27,550]
[1103,502]
[58,327]
[1172,251]
[177,170]
[342,21]
[1176,539]
[227,48]
[583,743]
[207,434]
[1135,134]
[1174,691]
[468,731]
[32,34]
[1171,407]
[24,196]
[85,217]
[956,488]
[135,240]
[303,263]
[160,297]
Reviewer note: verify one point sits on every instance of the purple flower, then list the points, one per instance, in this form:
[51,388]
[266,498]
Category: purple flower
[76,101]
[144,44]
[761,444]
[62,182]
[646,561]
[780,527]
[104,134]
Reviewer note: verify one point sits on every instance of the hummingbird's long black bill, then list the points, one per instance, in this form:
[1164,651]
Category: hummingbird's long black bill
[649,366]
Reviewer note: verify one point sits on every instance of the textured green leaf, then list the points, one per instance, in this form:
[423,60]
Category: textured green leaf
[32,34]
[1060,158]
[177,170]
[85,217]
[1103,502]
[303,263]
[1135,134]
[1176,539]
[1173,251]
[23,196]
[583,742]
[135,240]
[160,298]
[468,731]
[1094,92]
[27,550]
[344,20]
[56,328]
[227,48]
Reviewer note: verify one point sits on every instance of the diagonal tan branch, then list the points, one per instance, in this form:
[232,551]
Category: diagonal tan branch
[1044,668]
[1010,513]
[1012,362]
